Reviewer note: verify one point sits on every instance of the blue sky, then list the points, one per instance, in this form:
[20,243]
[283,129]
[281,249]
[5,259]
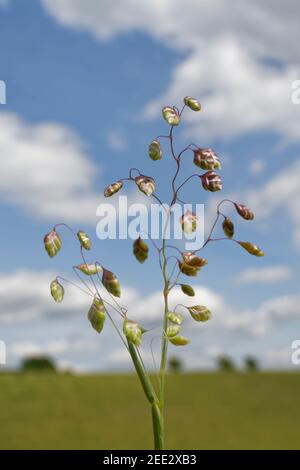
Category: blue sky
[85,84]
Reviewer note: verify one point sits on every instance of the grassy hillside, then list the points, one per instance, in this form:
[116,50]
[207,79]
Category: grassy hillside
[205,411]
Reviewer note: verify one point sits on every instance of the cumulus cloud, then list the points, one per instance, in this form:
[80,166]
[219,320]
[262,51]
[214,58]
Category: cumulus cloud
[280,194]
[283,307]
[183,25]
[25,296]
[240,94]
[57,349]
[149,308]
[31,300]
[25,299]
[20,349]
[280,357]
[121,357]
[268,275]
[254,322]
[46,171]
[226,52]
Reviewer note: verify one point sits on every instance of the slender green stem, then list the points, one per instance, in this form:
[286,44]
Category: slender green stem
[158,430]
[164,350]
[158,406]
[144,378]
[166,290]
[164,346]
[151,397]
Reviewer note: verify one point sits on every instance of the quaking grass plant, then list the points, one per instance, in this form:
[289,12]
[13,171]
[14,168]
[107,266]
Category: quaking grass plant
[188,263]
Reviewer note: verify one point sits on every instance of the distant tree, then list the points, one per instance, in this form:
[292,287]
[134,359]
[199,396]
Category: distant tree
[251,364]
[38,364]
[225,364]
[175,365]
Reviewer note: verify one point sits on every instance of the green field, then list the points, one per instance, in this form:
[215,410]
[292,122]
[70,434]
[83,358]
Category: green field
[204,411]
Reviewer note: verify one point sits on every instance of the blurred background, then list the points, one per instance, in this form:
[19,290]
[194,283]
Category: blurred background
[85,84]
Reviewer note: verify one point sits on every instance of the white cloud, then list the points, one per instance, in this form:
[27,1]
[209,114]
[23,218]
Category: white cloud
[120,357]
[20,349]
[45,171]
[268,275]
[184,25]
[25,300]
[280,357]
[280,194]
[281,191]
[56,349]
[240,94]
[284,307]
[25,296]
[225,50]
[271,202]
[31,300]
[150,308]
[26,348]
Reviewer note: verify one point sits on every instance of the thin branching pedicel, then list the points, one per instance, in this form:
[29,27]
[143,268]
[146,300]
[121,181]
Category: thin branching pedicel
[173,262]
